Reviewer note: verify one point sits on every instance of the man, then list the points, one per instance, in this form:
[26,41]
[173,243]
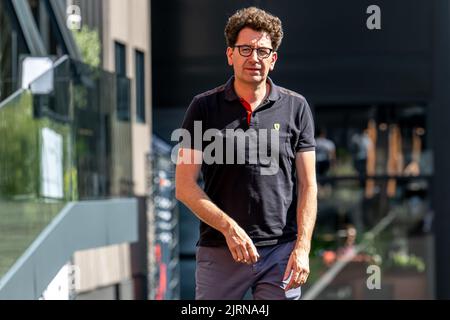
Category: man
[255,232]
[325,153]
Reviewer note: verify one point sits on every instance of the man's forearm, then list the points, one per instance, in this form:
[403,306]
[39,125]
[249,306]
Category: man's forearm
[202,206]
[306,216]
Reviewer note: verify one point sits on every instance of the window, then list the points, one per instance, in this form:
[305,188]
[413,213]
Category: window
[120,54]
[140,87]
[122,83]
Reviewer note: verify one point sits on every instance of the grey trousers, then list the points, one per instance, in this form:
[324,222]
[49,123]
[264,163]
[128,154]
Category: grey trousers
[219,277]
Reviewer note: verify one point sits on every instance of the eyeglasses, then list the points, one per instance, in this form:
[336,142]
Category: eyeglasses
[247,51]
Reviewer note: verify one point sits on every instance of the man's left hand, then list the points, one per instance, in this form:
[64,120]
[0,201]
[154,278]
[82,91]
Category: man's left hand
[298,266]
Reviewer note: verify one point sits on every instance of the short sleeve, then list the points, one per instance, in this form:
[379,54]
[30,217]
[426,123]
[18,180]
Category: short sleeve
[193,124]
[306,140]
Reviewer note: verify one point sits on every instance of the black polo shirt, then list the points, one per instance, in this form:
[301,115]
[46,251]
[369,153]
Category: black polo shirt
[263,205]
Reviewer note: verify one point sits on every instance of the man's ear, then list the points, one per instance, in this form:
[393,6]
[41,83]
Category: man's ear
[274,60]
[229,54]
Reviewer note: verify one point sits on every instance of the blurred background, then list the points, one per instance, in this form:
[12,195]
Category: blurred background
[91,90]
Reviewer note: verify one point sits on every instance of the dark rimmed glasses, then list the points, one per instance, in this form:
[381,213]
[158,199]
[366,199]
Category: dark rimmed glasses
[247,51]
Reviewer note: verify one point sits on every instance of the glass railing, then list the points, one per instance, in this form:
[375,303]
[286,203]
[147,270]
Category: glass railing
[61,144]
[370,243]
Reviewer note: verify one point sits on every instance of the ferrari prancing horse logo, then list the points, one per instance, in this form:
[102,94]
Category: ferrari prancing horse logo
[276,126]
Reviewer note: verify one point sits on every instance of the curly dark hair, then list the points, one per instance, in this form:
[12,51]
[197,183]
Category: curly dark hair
[256,19]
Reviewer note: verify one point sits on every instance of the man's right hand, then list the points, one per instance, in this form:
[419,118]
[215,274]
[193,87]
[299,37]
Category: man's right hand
[241,246]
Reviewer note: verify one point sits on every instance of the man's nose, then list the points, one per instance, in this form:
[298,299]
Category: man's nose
[254,56]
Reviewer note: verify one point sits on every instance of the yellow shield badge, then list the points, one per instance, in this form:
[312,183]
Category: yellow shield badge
[276,126]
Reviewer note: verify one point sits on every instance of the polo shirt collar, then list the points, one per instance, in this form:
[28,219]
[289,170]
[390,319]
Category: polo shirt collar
[231,95]
[274,94]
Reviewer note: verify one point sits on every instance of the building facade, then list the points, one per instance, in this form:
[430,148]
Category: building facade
[105,100]
[124,29]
